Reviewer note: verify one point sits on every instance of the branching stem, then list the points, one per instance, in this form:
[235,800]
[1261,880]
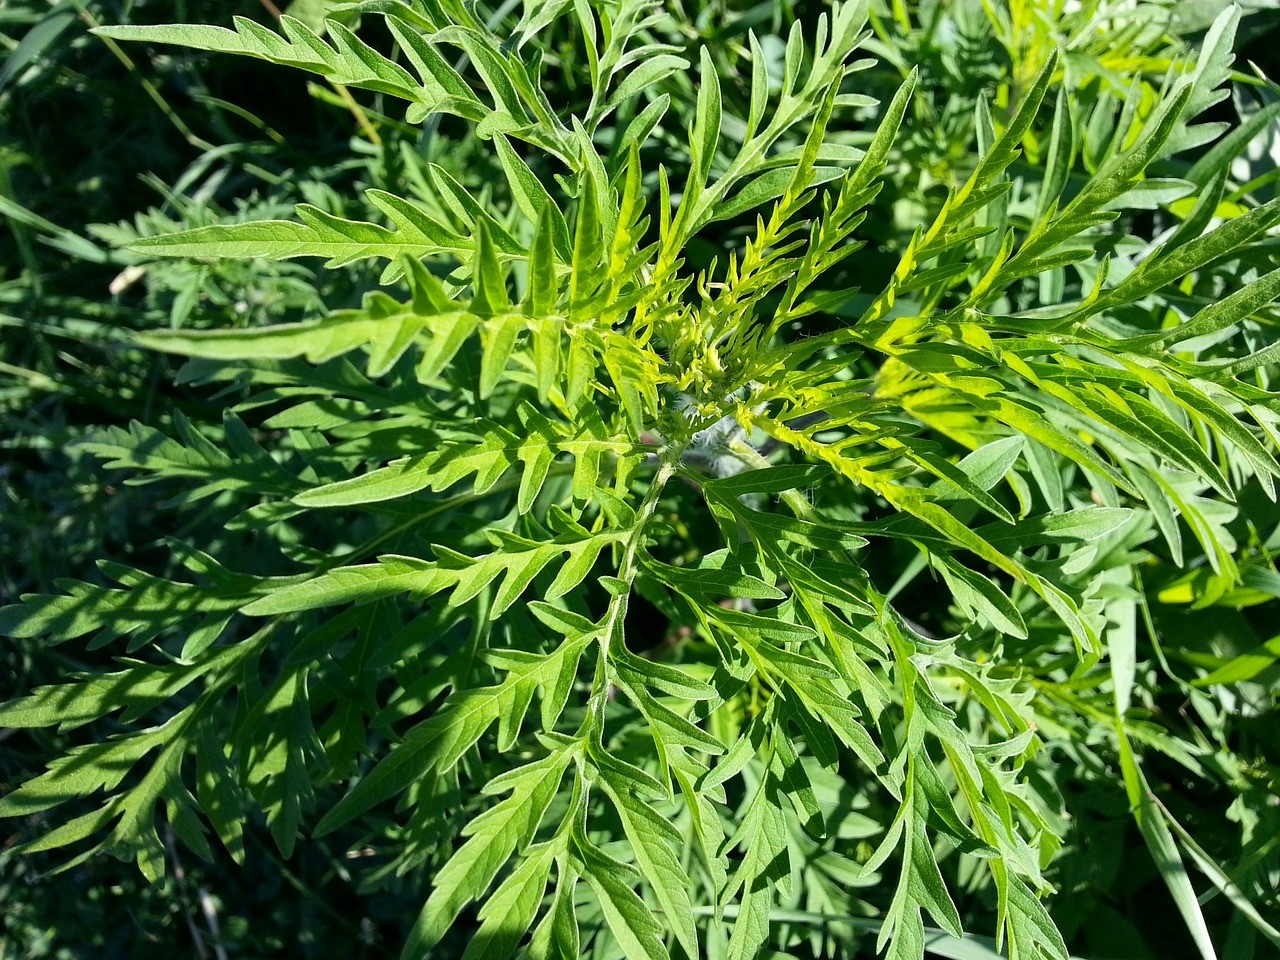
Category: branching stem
[615,616]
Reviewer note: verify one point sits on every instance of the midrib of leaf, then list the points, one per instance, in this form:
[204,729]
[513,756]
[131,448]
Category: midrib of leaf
[287,239]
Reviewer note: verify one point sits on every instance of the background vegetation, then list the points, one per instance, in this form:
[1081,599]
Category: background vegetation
[101,144]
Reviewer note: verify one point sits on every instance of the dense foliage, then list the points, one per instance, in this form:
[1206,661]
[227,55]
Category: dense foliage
[681,481]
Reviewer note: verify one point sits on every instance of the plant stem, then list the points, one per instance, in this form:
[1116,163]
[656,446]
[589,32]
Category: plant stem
[752,457]
[147,85]
[615,616]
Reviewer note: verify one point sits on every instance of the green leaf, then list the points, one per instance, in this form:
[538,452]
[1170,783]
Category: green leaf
[347,61]
[638,934]
[977,595]
[705,133]
[1159,271]
[433,746]
[655,842]
[135,691]
[357,584]
[277,763]
[507,914]
[1239,669]
[492,838]
[710,583]
[530,193]
[646,76]
[1230,310]
[762,838]
[1162,847]
[320,234]
[588,245]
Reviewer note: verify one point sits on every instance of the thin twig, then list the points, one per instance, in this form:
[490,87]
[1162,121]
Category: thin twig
[180,875]
[147,85]
[208,909]
[362,119]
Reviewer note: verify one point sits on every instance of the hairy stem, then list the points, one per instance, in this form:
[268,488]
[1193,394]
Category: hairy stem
[615,616]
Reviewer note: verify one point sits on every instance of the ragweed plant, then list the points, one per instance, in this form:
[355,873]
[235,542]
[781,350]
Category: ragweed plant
[568,554]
